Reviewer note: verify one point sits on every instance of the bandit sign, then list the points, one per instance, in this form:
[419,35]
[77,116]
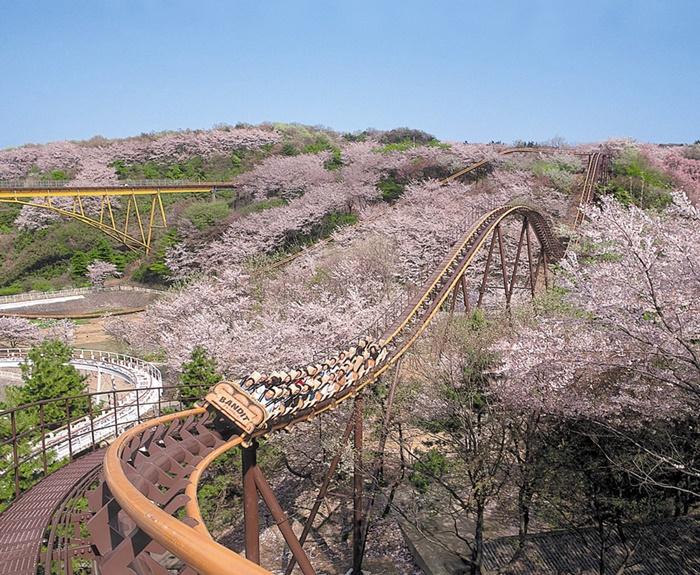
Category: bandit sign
[237,405]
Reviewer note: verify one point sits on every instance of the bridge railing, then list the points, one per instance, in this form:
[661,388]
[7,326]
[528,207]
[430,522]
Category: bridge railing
[34,296]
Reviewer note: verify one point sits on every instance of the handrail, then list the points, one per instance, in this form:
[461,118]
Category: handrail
[33,296]
[73,185]
[100,423]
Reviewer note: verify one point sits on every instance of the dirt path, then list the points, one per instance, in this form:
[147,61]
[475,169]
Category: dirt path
[90,334]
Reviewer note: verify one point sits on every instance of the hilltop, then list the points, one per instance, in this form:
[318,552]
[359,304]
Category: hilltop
[290,185]
[532,417]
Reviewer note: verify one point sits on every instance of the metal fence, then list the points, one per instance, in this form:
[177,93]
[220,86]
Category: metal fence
[20,184]
[31,446]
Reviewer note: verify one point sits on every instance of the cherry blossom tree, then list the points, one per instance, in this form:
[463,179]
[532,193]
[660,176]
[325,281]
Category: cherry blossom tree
[98,272]
[62,330]
[17,331]
[88,161]
[622,350]
[285,177]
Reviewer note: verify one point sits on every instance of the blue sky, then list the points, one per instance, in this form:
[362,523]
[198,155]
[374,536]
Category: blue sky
[460,70]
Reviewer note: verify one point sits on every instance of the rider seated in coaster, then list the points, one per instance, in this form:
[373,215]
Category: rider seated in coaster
[272,393]
[278,404]
[296,386]
[311,399]
[351,378]
[325,369]
[313,382]
[357,361]
[292,403]
[251,380]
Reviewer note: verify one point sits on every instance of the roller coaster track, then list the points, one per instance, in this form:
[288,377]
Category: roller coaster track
[151,472]
[597,173]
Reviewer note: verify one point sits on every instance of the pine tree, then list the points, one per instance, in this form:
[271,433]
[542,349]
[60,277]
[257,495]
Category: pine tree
[48,375]
[198,375]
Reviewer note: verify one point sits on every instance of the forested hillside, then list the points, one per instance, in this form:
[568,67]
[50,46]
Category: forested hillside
[575,410]
[290,185]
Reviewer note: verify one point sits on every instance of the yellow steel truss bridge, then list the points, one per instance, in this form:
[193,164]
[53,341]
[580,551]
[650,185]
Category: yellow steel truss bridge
[132,224]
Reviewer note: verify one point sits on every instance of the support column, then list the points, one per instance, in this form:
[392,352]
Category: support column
[250,503]
[322,492]
[282,523]
[357,501]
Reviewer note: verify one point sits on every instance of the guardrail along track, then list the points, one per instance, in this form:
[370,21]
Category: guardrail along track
[32,452]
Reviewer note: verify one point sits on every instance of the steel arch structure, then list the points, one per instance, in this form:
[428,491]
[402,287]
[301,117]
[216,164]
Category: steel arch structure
[135,230]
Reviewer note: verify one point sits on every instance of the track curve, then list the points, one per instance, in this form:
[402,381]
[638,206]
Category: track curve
[137,486]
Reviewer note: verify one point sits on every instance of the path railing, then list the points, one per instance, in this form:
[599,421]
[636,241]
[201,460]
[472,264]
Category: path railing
[34,296]
[31,444]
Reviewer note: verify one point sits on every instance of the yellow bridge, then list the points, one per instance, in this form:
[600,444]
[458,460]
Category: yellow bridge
[132,225]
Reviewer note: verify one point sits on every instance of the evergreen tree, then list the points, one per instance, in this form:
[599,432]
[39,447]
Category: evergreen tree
[197,376]
[79,262]
[48,375]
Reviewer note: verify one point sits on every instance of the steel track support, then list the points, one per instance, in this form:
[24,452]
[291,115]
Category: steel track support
[517,261]
[496,233]
[254,482]
[250,503]
[529,259]
[504,271]
[282,521]
[467,311]
[323,491]
[378,468]
[455,293]
[540,259]
[357,491]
